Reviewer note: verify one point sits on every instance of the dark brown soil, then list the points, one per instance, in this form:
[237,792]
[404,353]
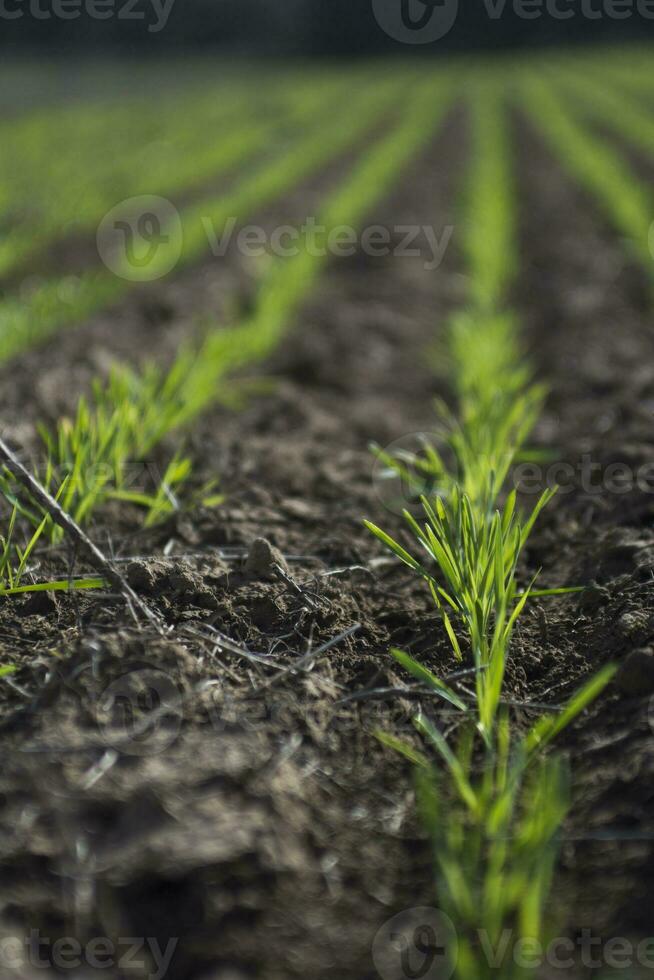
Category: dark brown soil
[297,840]
[588,311]
[254,816]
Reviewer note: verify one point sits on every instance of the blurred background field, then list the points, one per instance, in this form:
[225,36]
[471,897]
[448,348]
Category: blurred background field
[248,389]
[314,27]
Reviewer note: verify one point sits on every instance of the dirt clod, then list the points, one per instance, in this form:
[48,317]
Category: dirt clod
[264,559]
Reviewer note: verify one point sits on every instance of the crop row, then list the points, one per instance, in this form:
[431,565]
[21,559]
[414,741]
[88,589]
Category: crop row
[492,799]
[87,457]
[88,143]
[595,164]
[25,320]
[611,108]
[210,139]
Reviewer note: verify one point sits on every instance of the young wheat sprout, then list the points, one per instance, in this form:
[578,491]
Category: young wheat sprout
[494,805]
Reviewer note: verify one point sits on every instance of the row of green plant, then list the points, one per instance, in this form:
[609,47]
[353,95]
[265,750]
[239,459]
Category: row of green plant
[74,147]
[489,207]
[84,146]
[46,136]
[491,797]
[319,147]
[593,161]
[196,143]
[626,69]
[631,75]
[89,458]
[26,320]
[15,562]
[610,107]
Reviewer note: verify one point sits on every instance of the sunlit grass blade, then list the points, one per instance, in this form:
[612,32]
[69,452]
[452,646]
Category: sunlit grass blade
[403,748]
[430,680]
[60,585]
[547,729]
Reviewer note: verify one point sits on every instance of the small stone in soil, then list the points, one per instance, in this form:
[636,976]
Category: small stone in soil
[262,559]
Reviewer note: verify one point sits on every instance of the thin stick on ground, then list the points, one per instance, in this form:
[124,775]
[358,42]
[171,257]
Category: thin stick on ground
[75,533]
[306,661]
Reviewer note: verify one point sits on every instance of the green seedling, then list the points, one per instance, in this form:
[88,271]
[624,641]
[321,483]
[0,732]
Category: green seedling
[180,165]
[128,417]
[493,804]
[472,576]
[14,562]
[489,231]
[27,320]
[494,825]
